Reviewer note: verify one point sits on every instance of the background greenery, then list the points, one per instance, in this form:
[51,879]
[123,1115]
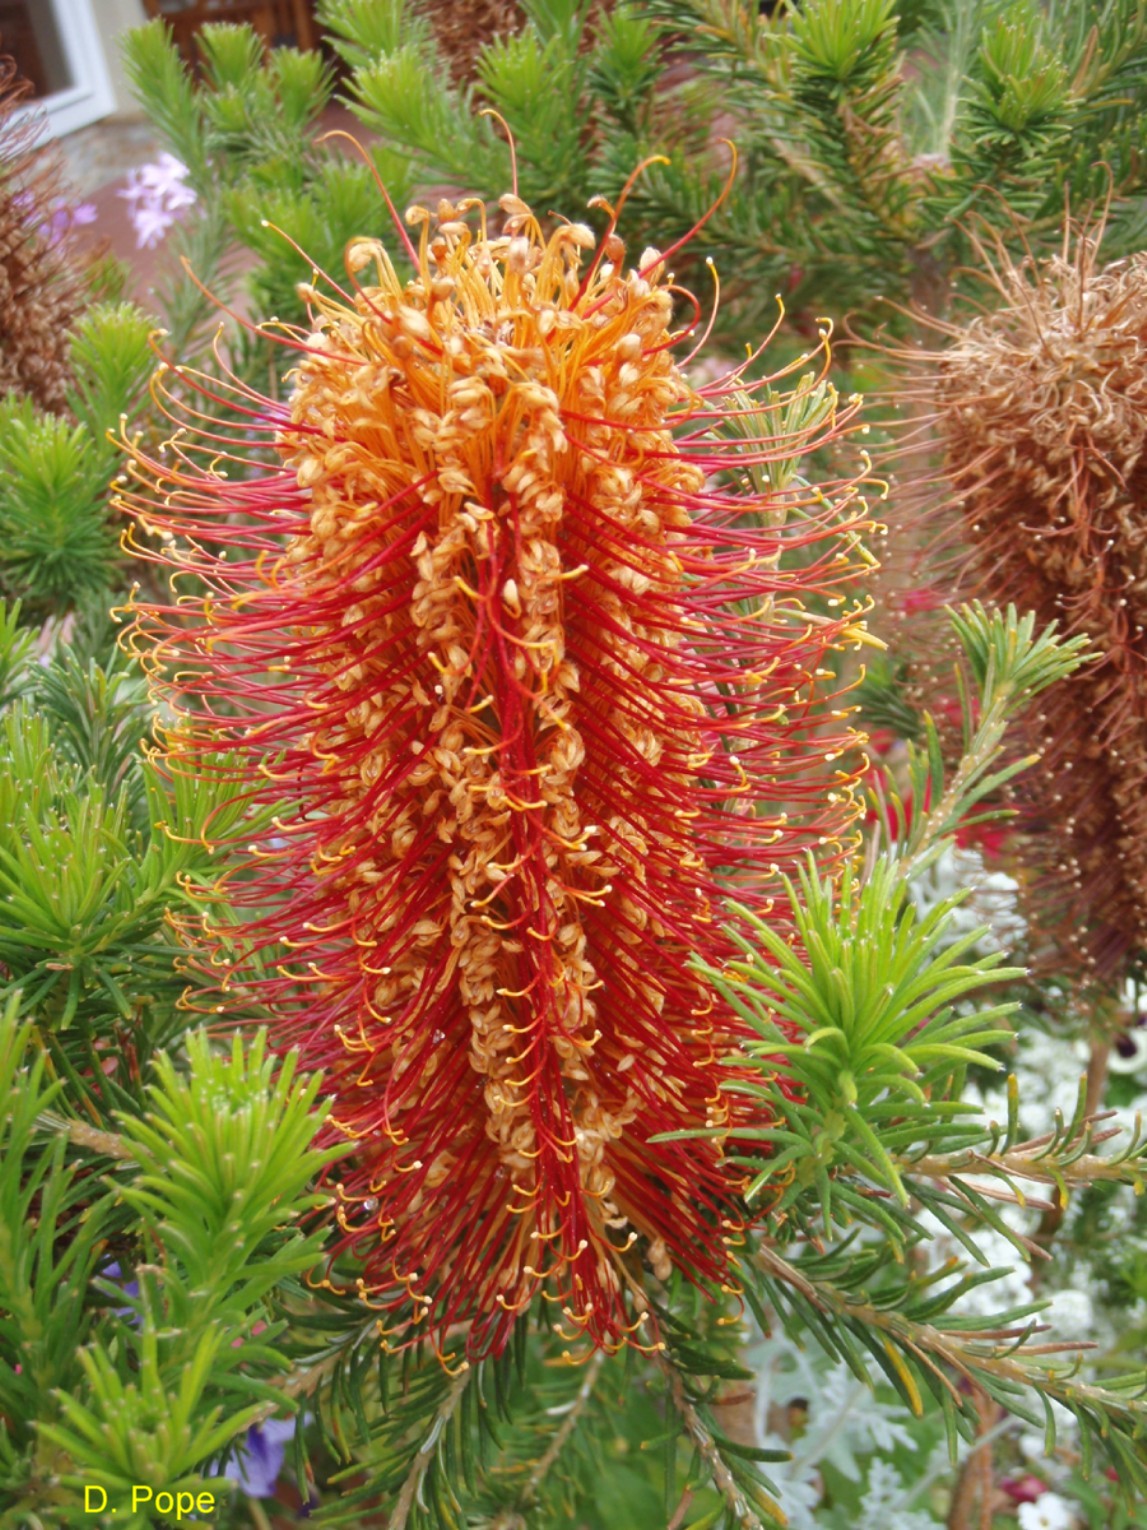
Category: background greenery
[157,1181]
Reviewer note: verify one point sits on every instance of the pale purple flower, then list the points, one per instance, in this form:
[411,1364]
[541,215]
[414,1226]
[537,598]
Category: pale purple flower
[151,223]
[166,178]
[64,219]
[158,193]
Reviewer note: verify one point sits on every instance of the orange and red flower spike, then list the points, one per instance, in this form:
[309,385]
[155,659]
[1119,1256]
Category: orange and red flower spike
[497,628]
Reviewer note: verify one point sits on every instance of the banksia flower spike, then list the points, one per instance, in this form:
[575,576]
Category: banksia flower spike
[1040,409]
[41,292]
[503,638]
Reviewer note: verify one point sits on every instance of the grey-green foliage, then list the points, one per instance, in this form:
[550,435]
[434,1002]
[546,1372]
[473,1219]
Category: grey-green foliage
[59,536]
[193,1207]
[868,132]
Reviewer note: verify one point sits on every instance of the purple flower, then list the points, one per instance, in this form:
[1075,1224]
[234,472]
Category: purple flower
[151,224]
[255,1465]
[64,219]
[112,1272]
[158,193]
[61,219]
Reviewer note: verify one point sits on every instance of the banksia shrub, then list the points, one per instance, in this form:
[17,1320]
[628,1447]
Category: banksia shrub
[520,653]
[1041,411]
[40,290]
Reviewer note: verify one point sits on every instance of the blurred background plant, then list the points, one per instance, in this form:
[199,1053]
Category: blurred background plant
[867,131]
[161,1231]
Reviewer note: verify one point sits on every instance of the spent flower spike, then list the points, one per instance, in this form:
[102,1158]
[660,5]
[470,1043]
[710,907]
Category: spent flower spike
[497,635]
[1039,401]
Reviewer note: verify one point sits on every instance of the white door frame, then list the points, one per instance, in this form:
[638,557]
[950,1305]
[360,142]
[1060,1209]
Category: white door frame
[91,97]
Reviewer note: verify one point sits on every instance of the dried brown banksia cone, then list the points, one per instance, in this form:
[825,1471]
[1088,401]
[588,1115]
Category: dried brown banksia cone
[463,27]
[1041,414]
[40,290]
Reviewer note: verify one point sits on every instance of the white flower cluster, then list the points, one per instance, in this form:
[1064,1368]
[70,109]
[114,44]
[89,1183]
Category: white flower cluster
[1048,1512]
[993,900]
[1009,1289]
[1129,1055]
[848,1427]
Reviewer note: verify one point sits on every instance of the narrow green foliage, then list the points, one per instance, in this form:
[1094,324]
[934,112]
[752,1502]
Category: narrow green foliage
[16,655]
[1010,665]
[199,275]
[863,1008]
[844,77]
[224,1164]
[363,29]
[59,539]
[867,130]
[145,1429]
[162,83]
[232,55]
[219,1172]
[58,545]
[554,83]
[95,848]
[1020,107]
[624,67]
[537,85]
[111,361]
[246,132]
[860,1015]
[532,1437]
[797,417]
[258,112]
[321,219]
[412,109]
[51,1232]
